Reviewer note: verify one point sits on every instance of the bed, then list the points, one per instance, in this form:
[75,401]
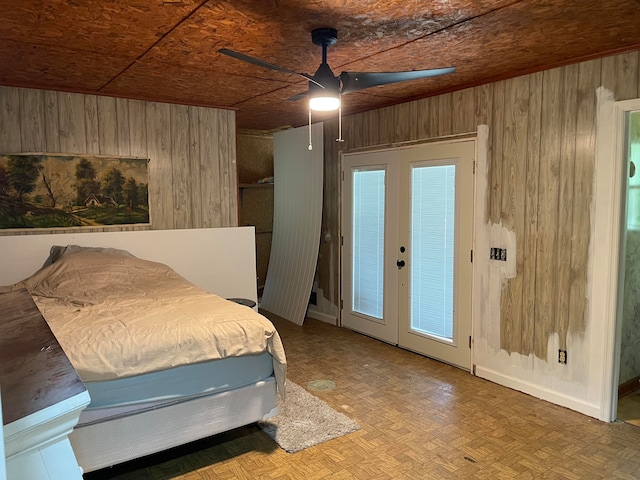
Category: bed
[223,365]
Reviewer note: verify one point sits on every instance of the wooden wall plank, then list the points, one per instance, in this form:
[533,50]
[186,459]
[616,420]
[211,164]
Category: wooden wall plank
[107,125]
[405,116]
[72,127]
[51,121]
[373,133]
[495,155]
[386,122]
[434,117]
[514,181]
[529,246]
[160,172]
[209,178]
[230,120]
[10,137]
[91,123]
[32,136]
[422,119]
[328,276]
[483,101]
[463,113]
[137,132]
[222,135]
[620,75]
[122,126]
[445,114]
[180,165]
[548,194]
[565,203]
[195,167]
[589,77]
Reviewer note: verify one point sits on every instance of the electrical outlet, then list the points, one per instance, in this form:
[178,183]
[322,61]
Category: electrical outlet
[562,357]
[496,253]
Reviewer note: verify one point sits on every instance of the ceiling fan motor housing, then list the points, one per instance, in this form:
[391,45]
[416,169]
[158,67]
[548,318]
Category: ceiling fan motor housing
[324,36]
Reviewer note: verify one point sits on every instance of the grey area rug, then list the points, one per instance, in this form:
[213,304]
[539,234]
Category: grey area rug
[305,420]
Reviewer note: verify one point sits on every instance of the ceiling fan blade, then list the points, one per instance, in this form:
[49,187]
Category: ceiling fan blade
[297,97]
[262,63]
[354,81]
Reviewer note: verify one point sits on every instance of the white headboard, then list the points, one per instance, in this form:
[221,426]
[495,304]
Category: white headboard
[219,260]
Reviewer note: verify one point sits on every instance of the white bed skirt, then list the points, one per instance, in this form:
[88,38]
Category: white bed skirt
[119,440]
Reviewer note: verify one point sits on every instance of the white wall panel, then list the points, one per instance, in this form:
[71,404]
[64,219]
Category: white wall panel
[297,219]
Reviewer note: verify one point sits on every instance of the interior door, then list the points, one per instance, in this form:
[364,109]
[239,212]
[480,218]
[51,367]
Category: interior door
[436,234]
[407,238]
[370,238]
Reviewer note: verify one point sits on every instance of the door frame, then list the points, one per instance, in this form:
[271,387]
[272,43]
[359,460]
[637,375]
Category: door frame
[607,233]
[481,137]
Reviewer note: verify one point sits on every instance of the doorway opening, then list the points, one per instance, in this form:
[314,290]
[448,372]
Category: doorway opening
[628,407]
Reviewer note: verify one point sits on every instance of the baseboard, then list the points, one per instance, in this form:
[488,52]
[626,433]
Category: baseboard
[540,392]
[323,317]
[629,387]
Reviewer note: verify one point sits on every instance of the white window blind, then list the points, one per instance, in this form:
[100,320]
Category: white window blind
[432,249]
[368,242]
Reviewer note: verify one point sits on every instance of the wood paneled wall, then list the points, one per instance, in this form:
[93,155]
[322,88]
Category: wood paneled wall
[192,150]
[540,175]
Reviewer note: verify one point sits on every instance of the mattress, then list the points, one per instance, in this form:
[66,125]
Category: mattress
[118,316]
[131,395]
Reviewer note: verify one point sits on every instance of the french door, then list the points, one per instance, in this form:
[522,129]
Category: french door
[407,239]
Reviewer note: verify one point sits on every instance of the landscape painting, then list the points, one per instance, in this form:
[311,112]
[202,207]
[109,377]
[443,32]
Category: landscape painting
[39,190]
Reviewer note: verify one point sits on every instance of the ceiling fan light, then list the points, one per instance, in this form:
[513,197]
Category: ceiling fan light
[326,103]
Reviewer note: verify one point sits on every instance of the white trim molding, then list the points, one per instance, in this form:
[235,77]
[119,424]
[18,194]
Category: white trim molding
[606,237]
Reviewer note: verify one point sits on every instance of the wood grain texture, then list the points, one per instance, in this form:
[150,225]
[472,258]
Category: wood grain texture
[10,137]
[32,121]
[171,136]
[92,122]
[180,163]
[209,176]
[565,199]
[168,50]
[513,205]
[52,121]
[159,141]
[588,80]
[34,371]
[432,422]
[529,247]
[548,194]
[495,153]
[540,174]
[72,131]
[108,125]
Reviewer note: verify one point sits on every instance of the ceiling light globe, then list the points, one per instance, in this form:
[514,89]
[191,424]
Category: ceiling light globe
[324,104]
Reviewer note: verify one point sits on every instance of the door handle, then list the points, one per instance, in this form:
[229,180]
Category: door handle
[400,264]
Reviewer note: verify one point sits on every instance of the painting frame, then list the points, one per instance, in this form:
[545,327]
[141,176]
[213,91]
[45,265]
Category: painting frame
[44,191]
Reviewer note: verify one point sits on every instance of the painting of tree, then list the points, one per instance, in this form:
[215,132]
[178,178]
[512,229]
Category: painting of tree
[50,190]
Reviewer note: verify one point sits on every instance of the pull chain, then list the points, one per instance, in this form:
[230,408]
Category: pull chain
[310,146]
[340,139]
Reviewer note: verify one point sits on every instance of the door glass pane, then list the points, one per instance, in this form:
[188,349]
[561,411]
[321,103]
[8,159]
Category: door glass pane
[432,250]
[368,242]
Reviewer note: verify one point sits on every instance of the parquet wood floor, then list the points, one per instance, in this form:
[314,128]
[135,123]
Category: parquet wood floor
[629,408]
[420,419]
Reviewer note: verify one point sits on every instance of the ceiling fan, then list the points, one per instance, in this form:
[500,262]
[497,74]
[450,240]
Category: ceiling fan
[325,88]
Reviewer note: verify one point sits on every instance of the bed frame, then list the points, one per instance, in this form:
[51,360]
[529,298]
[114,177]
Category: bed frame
[219,260]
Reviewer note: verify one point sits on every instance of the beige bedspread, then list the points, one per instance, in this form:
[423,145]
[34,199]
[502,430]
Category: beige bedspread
[118,316]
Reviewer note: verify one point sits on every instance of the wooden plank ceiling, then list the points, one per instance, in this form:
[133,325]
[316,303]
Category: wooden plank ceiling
[167,50]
